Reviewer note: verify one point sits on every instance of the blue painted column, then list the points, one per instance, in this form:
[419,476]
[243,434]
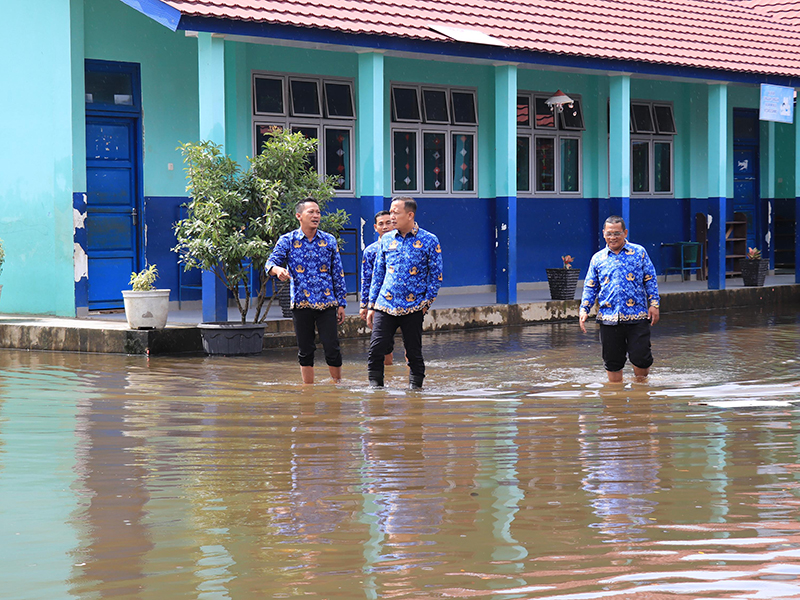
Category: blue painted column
[211,93]
[796,197]
[505,88]
[371,125]
[718,160]
[619,150]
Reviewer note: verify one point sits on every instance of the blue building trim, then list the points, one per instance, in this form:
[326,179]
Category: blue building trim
[80,255]
[471,51]
[797,240]
[158,11]
[717,210]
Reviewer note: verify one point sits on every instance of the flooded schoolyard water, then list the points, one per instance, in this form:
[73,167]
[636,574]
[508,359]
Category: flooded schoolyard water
[516,473]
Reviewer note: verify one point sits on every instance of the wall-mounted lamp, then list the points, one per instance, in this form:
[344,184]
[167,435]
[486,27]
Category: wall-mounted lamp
[558,100]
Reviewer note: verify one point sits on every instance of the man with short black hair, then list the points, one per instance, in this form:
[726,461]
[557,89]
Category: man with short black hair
[383,224]
[317,287]
[405,281]
[622,279]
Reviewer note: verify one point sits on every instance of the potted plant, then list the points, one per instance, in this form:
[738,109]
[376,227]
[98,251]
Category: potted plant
[754,268]
[234,219]
[563,281]
[145,306]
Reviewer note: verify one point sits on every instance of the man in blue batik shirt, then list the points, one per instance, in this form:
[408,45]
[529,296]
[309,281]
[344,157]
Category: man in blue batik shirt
[622,279]
[383,224]
[318,289]
[406,278]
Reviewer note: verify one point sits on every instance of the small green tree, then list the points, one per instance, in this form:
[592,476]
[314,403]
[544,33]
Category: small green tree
[235,217]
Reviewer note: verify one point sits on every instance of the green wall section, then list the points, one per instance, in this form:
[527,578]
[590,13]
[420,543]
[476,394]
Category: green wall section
[36,221]
[168,62]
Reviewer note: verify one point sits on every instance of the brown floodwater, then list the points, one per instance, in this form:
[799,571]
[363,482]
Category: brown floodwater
[516,473]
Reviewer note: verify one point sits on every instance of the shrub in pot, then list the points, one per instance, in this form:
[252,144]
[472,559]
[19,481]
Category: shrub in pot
[563,281]
[235,216]
[754,268]
[145,306]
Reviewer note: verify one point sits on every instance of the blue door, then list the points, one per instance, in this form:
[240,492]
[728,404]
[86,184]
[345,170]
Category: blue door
[112,204]
[745,188]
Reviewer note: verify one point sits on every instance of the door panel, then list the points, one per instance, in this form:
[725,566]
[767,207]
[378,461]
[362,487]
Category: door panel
[745,191]
[112,202]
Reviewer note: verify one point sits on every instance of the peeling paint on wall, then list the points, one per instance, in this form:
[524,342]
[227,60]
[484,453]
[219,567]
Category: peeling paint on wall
[81,261]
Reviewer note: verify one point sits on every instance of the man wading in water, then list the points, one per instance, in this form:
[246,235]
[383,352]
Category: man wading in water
[622,279]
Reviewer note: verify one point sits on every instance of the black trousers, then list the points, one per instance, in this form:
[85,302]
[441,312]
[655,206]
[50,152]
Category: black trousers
[381,343]
[626,339]
[305,320]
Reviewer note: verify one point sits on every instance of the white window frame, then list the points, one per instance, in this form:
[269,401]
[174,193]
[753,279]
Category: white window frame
[321,122]
[652,139]
[420,128]
[556,133]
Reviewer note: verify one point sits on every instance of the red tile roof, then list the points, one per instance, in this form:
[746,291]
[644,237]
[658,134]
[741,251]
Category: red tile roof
[755,36]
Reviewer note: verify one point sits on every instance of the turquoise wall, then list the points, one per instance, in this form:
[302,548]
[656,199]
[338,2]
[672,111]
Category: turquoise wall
[168,62]
[36,166]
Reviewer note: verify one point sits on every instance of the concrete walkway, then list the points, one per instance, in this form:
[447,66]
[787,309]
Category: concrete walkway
[108,332]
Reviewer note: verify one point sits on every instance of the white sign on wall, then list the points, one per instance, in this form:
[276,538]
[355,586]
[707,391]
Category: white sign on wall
[777,103]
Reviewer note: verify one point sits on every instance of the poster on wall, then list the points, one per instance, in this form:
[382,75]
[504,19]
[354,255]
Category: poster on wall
[777,103]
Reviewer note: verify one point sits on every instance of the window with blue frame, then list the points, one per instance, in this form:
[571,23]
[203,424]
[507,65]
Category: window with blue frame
[548,146]
[434,139]
[319,108]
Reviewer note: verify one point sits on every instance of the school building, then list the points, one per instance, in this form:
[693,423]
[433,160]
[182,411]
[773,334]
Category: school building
[517,126]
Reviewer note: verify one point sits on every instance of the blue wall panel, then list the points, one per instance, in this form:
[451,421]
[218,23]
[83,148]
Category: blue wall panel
[160,213]
[465,228]
[657,220]
[550,228]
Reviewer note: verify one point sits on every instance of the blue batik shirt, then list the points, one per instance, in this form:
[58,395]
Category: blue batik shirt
[623,284]
[367,264]
[407,273]
[315,266]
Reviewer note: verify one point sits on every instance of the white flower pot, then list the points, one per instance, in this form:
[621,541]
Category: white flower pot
[146,310]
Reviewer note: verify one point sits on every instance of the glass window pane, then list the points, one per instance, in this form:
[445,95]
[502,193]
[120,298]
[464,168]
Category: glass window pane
[305,97]
[262,134]
[572,118]
[337,156]
[268,95]
[523,111]
[404,161]
[745,126]
[406,104]
[545,164]
[435,104]
[310,133]
[523,164]
[433,156]
[103,87]
[570,163]
[662,152]
[463,162]
[664,121]
[642,118]
[338,100]
[640,166]
[464,108]
[544,116]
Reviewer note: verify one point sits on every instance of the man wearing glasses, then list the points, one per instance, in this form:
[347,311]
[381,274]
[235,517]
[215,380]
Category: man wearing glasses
[622,279]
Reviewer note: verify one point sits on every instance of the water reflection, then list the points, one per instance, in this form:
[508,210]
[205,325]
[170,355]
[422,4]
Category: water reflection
[516,474]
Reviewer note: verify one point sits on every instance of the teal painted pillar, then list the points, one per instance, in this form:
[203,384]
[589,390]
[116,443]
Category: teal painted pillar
[505,90]
[211,94]
[718,160]
[619,150]
[796,197]
[371,124]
